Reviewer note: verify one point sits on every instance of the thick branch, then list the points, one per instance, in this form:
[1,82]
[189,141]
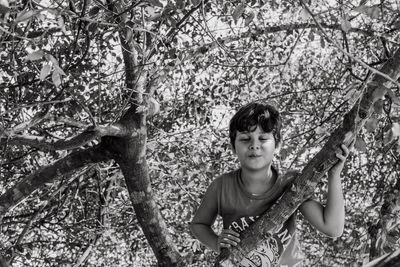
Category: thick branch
[307,180]
[38,118]
[388,260]
[84,138]
[384,234]
[48,173]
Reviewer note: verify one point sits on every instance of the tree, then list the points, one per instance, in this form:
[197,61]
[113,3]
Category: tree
[80,79]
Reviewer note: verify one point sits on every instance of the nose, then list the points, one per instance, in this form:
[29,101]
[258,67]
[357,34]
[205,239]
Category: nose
[254,145]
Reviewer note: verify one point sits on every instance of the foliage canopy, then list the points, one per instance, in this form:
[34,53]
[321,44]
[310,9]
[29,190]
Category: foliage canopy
[69,68]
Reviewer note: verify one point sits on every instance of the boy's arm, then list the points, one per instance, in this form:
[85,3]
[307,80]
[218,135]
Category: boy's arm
[205,217]
[329,219]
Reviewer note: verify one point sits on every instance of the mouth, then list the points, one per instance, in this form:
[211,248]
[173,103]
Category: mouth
[254,156]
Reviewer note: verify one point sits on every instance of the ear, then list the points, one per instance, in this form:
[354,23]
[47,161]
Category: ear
[233,149]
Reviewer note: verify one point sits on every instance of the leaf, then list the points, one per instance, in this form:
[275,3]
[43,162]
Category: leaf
[155,3]
[45,71]
[371,11]
[371,124]
[25,15]
[360,145]
[322,42]
[180,4]
[153,107]
[249,18]
[345,25]
[35,55]
[61,24]
[92,27]
[94,11]
[129,34]
[56,78]
[379,93]
[55,65]
[311,36]
[196,2]
[239,10]
[320,130]
[396,129]
[388,137]
[304,14]
[153,14]
[393,97]
[4,6]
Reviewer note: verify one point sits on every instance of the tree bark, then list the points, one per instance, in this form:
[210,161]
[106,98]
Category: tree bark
[3,262]
[135,170]
[388,260]
[303,186]
[384,234]
[48,173]
[131,155]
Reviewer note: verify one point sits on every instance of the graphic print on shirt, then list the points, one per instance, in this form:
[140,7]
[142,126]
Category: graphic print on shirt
[268,253]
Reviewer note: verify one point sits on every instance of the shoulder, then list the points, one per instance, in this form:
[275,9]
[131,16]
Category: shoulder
[224,180]
[226,177]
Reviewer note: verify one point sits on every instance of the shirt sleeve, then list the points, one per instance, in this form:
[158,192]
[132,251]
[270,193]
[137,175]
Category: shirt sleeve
[209,207]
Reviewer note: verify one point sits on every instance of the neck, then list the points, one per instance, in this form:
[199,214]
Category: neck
[265,176]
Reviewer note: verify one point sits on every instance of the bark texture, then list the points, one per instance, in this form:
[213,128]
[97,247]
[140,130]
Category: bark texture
[388,260]
[303,186]
[385,233]
[47,174]
[131,155]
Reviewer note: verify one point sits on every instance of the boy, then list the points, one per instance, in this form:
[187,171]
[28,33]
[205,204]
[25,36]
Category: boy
[241,196]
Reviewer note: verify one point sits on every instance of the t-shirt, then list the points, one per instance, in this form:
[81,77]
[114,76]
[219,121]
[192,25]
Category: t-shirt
[239,209]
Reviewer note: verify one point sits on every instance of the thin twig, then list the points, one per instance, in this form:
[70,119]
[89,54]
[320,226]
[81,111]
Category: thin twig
[362,63]
[36,104]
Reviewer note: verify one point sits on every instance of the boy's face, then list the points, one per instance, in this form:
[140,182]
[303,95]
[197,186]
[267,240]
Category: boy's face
[255,150]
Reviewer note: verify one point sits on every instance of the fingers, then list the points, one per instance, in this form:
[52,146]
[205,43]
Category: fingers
[341,157]
[345,153]
[228,238]
[230,232]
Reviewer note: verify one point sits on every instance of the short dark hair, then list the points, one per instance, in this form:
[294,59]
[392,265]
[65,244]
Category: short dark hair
[254,114]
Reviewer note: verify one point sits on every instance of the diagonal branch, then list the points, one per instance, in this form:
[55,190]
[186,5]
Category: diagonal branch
[37,119]
[387,260]
[306,181]
[84,138]
[48,173]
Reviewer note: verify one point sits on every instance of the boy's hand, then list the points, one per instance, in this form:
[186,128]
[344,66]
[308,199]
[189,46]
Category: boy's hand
[228,238]
[337,168]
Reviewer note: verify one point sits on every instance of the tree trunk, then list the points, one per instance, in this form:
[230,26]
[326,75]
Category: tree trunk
[131,153]
[306,181]
[132,160]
